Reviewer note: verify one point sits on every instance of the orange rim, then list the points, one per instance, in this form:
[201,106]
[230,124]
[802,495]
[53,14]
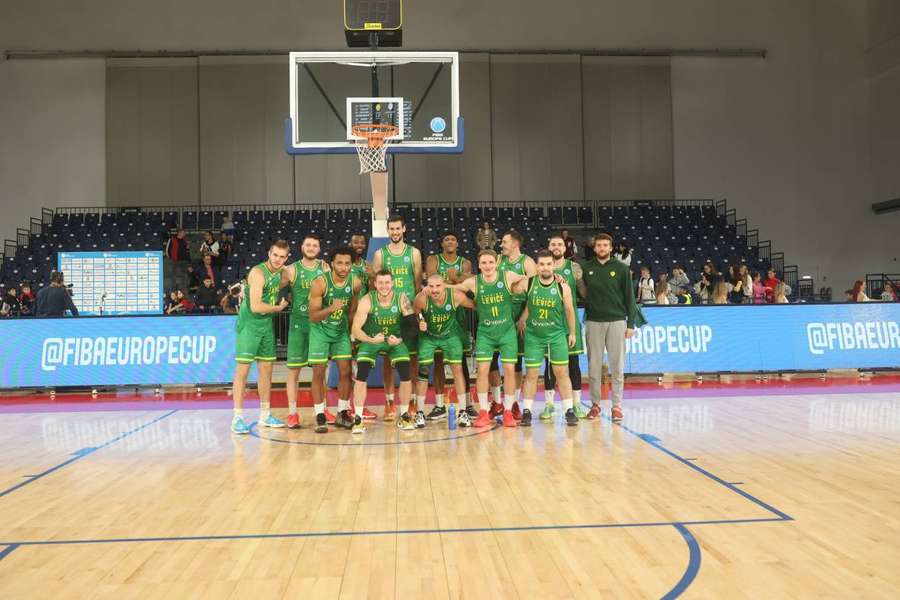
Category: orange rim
[374,133]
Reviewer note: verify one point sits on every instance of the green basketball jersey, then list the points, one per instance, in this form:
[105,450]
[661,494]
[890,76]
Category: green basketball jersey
[441,317]
[546,311]
[271,287]
[518,267]
[303,278]
[402,268]
[383,319]
[361,271]
[494,304]
[443,266]
[337,321]
[567,271]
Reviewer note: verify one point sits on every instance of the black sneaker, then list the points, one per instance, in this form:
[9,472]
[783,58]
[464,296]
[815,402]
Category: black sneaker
[405,422]
[571,418]
[526,418]
[344,419]
[420,420]
[437,413]
[472,411]
[321,423]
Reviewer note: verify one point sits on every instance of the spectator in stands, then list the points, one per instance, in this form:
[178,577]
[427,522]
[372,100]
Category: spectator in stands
[232,300]
[662,293]
[226,247]
[623,253]
[720,292]
[646,289]
[227,226]
[54,300]
[207,297]
[205,269]
[857,294]
[178,260]
[781,294]
[26,300]
[712,272]
[9,303]
[888,294]
[570,244]
[736,279]
[744,272]
[179,304]
[760,291]
[704,287]
[770,282]
[486,238]
[678,281]
[173,304]
[209,246]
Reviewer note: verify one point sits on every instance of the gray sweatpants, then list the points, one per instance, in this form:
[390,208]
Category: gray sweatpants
[609,336]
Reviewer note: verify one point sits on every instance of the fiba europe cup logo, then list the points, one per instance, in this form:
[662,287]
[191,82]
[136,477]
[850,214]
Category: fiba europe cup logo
[438,125]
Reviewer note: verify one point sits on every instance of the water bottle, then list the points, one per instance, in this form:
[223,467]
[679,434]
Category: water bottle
[451,417]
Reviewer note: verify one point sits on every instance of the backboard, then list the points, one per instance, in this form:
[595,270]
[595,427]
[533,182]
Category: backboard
[416,91]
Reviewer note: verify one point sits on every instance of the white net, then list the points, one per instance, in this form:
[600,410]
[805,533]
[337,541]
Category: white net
[371,158]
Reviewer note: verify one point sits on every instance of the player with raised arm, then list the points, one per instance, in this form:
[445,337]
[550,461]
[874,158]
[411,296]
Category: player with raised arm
[437,307]
[332,301]
[549,325]
[256,336]
[384,323]
[405,264]
[299,276]
[493,292]
[570,271]
[454,269]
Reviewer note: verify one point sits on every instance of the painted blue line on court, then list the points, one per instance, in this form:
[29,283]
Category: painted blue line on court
[317,534]
[79,454]
[656,443]
[254,432]
[8,550]
[690,573]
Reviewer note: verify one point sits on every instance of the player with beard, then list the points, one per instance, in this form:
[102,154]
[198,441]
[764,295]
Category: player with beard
[548,325]
[572,273]
[360,269]
[256,336]
[300,276]
[332,301]
[453,268]
[405,264]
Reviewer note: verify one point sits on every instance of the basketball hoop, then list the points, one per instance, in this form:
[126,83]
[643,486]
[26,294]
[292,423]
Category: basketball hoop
[371,145]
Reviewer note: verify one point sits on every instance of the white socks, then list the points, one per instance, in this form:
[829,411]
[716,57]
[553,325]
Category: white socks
[568,403]
[389,398]
[320,408]
[343,404]
[577,396]
[529,402]
[548,396]
[292,405]
[264,410]
[239,412]
[463,400]
[508,401]
[438,399]
[483,401]
[497,394]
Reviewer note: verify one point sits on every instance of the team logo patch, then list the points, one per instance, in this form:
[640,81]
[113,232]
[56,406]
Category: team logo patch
[304,307]
[448,307]
[590,272]
[405,259]
[612,273]
[500,285]
[567,271]
[347,289]
[552,291]
[393,309]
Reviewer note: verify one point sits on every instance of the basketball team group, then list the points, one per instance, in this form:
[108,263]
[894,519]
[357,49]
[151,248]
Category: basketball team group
[416,315]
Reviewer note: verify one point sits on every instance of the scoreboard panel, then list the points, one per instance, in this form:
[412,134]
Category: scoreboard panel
[114,283]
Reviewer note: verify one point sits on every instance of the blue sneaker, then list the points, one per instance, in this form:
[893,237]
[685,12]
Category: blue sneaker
[239,427]
[272,422]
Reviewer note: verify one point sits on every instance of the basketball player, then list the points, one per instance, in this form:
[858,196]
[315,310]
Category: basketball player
[549,326]
[332,300]
[454,269]
[360,269]
[405,264]
[300,276]
[383,324]
[493,292]
[438,308]
[572,273]
[256,336]
[515,262]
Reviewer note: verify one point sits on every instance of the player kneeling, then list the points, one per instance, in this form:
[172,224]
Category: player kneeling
[383,320]
[437,306]
[548,323]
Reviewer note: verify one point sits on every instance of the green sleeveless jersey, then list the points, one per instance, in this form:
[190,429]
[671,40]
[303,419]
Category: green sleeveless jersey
[443,266]
[441,317]
[567,271]
[271,287]
[518,267]
[303,278]
[494,304]
[402,268]
[337,321]
[361,271]
[383,319]
[546,311]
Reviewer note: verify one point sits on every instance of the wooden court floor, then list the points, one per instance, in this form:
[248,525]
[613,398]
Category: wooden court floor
[779,496]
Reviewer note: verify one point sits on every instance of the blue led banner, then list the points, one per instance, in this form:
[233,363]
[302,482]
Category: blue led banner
[116,351]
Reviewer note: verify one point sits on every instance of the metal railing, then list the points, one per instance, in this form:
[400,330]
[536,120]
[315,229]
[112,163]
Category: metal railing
[875,283]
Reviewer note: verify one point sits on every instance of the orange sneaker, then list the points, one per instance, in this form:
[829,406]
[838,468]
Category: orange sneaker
[616,414]
[594,412]
[368,415]
[329,418]
[508,419]
[390,413]
[293,421]
[483,420]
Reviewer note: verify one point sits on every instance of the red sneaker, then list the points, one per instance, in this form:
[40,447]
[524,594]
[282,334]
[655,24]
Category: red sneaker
[293,421]
[496,409]
[483,420]
[516,411]
[617,415]
[508,419]
[329,418]
[368,415]
[594,413]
